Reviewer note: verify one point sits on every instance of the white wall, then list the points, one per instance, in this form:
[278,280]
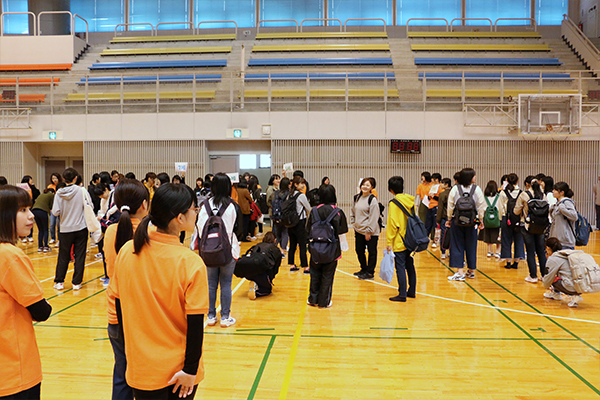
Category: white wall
[285,125]
[590,17]
[38,49]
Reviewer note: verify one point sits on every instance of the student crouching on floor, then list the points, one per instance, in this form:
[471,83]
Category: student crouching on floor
[259,265]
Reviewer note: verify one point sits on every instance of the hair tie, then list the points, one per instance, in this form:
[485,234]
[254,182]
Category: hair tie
[123,208]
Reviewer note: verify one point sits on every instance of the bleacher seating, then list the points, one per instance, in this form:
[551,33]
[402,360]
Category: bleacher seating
[320,76]
[454,35]
[328,93]
[159,64]
[479,47]
[8,96]
[494,76]
[486,61]
[35,67]
[178,95]
[321,35]
[112,80]
[29,82]
[268,62]
[321,47]
[173,38]
[166,51]
[483,93]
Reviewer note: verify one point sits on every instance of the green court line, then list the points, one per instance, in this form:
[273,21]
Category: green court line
[72,327]
[261,369]
[548,351]
[97,340]
[538,311]
[256,329]
[392,329]
[70,290]
[428,338]
[74,304]
[244,334]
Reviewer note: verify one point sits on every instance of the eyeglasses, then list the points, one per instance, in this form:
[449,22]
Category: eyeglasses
[196,210]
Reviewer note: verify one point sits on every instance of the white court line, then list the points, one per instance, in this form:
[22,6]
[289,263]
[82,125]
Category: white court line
[481,305]
[232,293]
[71,270]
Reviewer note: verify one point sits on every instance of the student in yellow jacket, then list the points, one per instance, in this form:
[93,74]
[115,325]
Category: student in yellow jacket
[396,231]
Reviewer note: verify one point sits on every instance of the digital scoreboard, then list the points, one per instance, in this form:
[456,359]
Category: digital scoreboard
[406,146]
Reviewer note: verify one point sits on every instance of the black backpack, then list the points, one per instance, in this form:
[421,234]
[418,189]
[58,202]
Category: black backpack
[381,208]
[512,220]
[277,206]
[261,202]
[322,238]
[416,238]
[289,214]
[215,246]
[313,197]
[252,263]
[465,209]
[537,216]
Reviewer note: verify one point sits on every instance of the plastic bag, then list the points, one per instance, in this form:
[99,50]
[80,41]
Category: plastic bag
[386,268]
[344,243]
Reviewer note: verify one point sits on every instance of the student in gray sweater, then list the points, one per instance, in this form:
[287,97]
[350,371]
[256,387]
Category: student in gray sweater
[365,218]
[559,278]
[563,215]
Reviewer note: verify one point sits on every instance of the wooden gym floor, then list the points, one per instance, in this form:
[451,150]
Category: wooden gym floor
[492,337]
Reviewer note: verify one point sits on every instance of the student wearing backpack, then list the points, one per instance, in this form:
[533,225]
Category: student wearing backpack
[365,219]
[564,214]
[533,207]
[220,275]
[324,257]
[491,220]
[395,233]
[442,212]
[510,228]
[261,283]
[466,204]
[297,225]
[275,198]
[559,278]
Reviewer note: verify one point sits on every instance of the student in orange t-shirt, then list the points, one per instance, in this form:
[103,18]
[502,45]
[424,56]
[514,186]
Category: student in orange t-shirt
[21,301]
[433,196]
[132,198]
[422,195]
[161,296]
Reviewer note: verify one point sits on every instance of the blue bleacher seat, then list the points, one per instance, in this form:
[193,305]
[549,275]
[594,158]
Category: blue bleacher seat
[486,61]
[321,76]
[107,80]
[264,62]
[159,64]
[493,76]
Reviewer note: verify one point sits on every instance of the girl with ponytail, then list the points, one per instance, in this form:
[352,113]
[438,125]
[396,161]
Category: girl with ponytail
[564,214]
[132,199]
[161,295]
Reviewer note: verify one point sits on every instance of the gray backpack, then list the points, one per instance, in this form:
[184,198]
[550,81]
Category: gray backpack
[465,210]
[585,271]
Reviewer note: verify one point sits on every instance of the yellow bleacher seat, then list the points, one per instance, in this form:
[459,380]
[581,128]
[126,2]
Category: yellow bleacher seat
[320,35]
[479,47]
[166,50]
[474,35]
[180,95]
[322,47]
[491,92]
[293,93]
[174,38]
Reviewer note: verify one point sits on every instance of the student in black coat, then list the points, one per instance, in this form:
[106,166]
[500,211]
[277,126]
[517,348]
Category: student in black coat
[262,284]
[321,275]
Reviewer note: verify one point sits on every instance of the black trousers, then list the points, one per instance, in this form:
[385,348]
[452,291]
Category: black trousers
[246,226]
[298,236]
[29,394]
[359,245]
[160,394]
[321,283]
[265,286]
[77,240]
[41,220]
[101,251]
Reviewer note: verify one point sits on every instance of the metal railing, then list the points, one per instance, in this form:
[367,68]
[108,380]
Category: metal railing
[325,20]
[188,23]
[35,32]
[275,20]
[87,26]
[531,20]
[473,19]
[39,20]
[365,19]
[219,22]
[128,24]
[427,19]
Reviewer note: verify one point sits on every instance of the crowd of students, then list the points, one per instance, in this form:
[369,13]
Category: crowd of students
[158,347]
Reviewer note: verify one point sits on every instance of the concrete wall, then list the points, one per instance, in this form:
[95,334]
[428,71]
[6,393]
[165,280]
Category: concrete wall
[39,49]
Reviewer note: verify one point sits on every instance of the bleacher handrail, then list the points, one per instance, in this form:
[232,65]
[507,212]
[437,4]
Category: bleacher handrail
[365,19]
[39,20]
[87,26]
[35,32]
[427,19]
[532,20]
[219,22]
[473,19]
[189,23]
[128,24]
[588,43]
[320,19]
[275,20]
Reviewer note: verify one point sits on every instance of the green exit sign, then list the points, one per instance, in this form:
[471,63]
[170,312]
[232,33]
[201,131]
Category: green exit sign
[237,133]
[52,135]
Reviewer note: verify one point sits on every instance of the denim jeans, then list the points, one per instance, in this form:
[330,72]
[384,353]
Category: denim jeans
[281,233]
[404,265]
[430,222]
[220,276]
[534,244]
[120,389]
[41,220]
[443,229]
[54,225]
[510,236]
[463,242]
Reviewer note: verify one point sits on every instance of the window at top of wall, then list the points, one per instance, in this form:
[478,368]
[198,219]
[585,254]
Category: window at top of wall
[265,161]
[248,161]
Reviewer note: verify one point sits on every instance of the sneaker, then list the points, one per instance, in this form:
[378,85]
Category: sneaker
[311,304]
[253,238]
[357,273]
[98,256]
[575,300]
[490,254]
[497,255]
[59,286]
[77,287]
[307,270]
[24,240]
[443,257]
[515,265]
[30,239]
[294,268]
[105,282]
[398,298]
[47,249]
[252,291]
[211,321]
[40,249]
[531,280]
[434,245]
[328,305]
[227,322]
[552,295]
[456,277]
[366,276]
[52,241]
[470,274]
[55,245]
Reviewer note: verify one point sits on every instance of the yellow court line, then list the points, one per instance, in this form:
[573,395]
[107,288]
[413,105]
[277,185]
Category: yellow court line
[294,351]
